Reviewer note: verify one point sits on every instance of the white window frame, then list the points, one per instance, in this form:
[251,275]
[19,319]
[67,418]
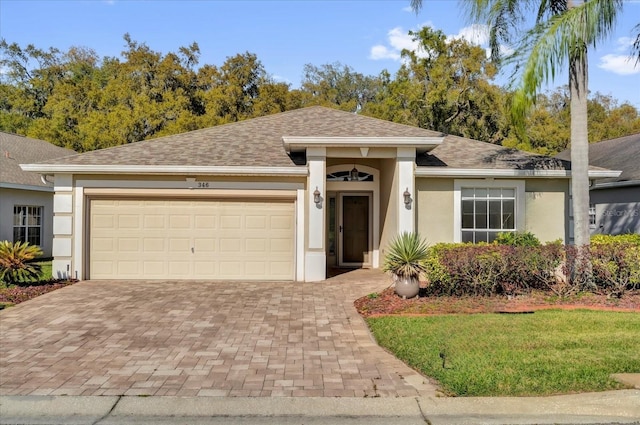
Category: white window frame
[459,184]
[593,221]
[27,225]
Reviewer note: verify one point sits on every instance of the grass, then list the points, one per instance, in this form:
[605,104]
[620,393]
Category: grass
[46,272]
[14,294]
[549,352]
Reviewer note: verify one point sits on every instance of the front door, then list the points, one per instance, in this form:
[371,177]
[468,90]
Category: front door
[354,229]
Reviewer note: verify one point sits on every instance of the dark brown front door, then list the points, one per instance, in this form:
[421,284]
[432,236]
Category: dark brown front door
[355,228]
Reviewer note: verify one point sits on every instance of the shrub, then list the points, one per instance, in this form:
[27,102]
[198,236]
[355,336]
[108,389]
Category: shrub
[482,269]
[616,265]
[15,262]
[629,238]
[517,239]
[406,256]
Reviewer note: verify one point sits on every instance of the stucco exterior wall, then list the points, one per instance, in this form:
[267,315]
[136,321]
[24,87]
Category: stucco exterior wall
[388,203]
[434,213]
[11,197]
[617,210]
[547,208]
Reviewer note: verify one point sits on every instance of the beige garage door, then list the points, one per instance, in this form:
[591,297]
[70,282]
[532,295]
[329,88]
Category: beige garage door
[159,239]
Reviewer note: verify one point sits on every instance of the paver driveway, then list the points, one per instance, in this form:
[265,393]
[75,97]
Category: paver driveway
[200,339]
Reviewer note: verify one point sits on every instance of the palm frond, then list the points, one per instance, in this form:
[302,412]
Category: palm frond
[545,49]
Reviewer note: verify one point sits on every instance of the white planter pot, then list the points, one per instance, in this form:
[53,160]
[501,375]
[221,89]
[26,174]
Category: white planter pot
[407,287]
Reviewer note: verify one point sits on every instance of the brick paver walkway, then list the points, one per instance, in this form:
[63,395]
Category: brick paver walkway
[200,339]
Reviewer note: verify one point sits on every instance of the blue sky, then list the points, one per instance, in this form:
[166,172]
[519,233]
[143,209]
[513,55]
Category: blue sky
[285,35]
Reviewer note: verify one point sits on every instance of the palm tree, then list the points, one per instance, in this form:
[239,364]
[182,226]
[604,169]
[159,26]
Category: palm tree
[562,32]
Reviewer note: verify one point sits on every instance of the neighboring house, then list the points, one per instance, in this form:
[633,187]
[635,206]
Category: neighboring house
[26,201]
[286,196]
[615,202]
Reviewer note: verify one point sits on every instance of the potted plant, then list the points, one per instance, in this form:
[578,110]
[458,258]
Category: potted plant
[405,260]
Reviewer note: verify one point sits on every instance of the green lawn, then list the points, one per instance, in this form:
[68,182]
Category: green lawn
[548,352]
[46,273]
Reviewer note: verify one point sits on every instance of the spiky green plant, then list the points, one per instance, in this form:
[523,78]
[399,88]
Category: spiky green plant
[15,262]
[406,256]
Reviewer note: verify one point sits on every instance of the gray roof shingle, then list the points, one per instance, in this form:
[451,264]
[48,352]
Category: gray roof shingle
[254,142]
[622,153]
[459,152]
[16,150]
[258,143]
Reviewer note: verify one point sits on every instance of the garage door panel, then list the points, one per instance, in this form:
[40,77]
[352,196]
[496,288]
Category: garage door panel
[179,245]
[230,222]
[158,239]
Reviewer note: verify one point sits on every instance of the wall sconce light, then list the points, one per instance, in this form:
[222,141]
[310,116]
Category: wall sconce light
[354,174]
[407,197]
[316,196]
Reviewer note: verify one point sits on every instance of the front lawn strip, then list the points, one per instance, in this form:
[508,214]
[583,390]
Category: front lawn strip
[544,353]
[24,291]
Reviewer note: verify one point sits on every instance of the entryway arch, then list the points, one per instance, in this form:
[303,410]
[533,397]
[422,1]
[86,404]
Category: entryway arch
[355,191]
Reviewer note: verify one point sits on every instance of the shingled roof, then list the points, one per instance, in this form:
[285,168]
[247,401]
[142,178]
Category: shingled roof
[258,142]
[622,154]
[251,143]
[462,153]
[16,150]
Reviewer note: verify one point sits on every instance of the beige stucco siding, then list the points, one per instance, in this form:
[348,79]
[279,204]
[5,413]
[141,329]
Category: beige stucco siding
[388,203]
[11,197]
[434,213]
[546,205]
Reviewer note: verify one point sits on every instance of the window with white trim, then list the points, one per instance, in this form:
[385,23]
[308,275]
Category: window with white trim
[487,212]
[592,216]
[27,224]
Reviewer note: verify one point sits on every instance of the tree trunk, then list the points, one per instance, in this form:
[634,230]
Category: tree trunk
[582,271]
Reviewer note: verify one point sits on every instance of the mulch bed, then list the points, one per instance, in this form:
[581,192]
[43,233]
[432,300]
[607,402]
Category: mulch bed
[18,294]
[388,303]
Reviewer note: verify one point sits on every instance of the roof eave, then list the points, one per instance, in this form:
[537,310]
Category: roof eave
[611,185]
[164,169]
[19,186]
[301,143]
[506,172]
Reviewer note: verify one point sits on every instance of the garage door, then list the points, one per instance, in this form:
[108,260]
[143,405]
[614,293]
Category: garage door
[161,239]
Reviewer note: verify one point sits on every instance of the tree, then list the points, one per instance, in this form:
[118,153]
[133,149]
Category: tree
[562,31]
[338,85]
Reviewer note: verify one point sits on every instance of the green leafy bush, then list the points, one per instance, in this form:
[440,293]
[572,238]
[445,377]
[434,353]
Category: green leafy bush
[489,269]
[629,238]
[406,256]
[16,264]
[517,239]
[616,264]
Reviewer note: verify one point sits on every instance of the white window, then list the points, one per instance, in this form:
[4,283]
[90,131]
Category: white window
[27,224]
[485,208]
[592,216]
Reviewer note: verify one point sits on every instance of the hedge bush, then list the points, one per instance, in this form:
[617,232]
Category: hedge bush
[616,263]
[483,269]
[494,269]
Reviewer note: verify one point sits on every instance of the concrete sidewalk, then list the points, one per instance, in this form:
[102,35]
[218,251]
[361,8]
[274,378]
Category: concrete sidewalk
[592,408]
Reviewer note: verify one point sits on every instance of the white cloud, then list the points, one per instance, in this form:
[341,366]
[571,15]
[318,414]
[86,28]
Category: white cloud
[619,64]
[474,34]
[398,39]
[407,9]
[624,43]
[280,79]
[380,52]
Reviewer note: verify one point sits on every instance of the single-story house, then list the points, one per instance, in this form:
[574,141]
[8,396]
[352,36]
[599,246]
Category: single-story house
[26,198]
[287,196]
[615,201]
